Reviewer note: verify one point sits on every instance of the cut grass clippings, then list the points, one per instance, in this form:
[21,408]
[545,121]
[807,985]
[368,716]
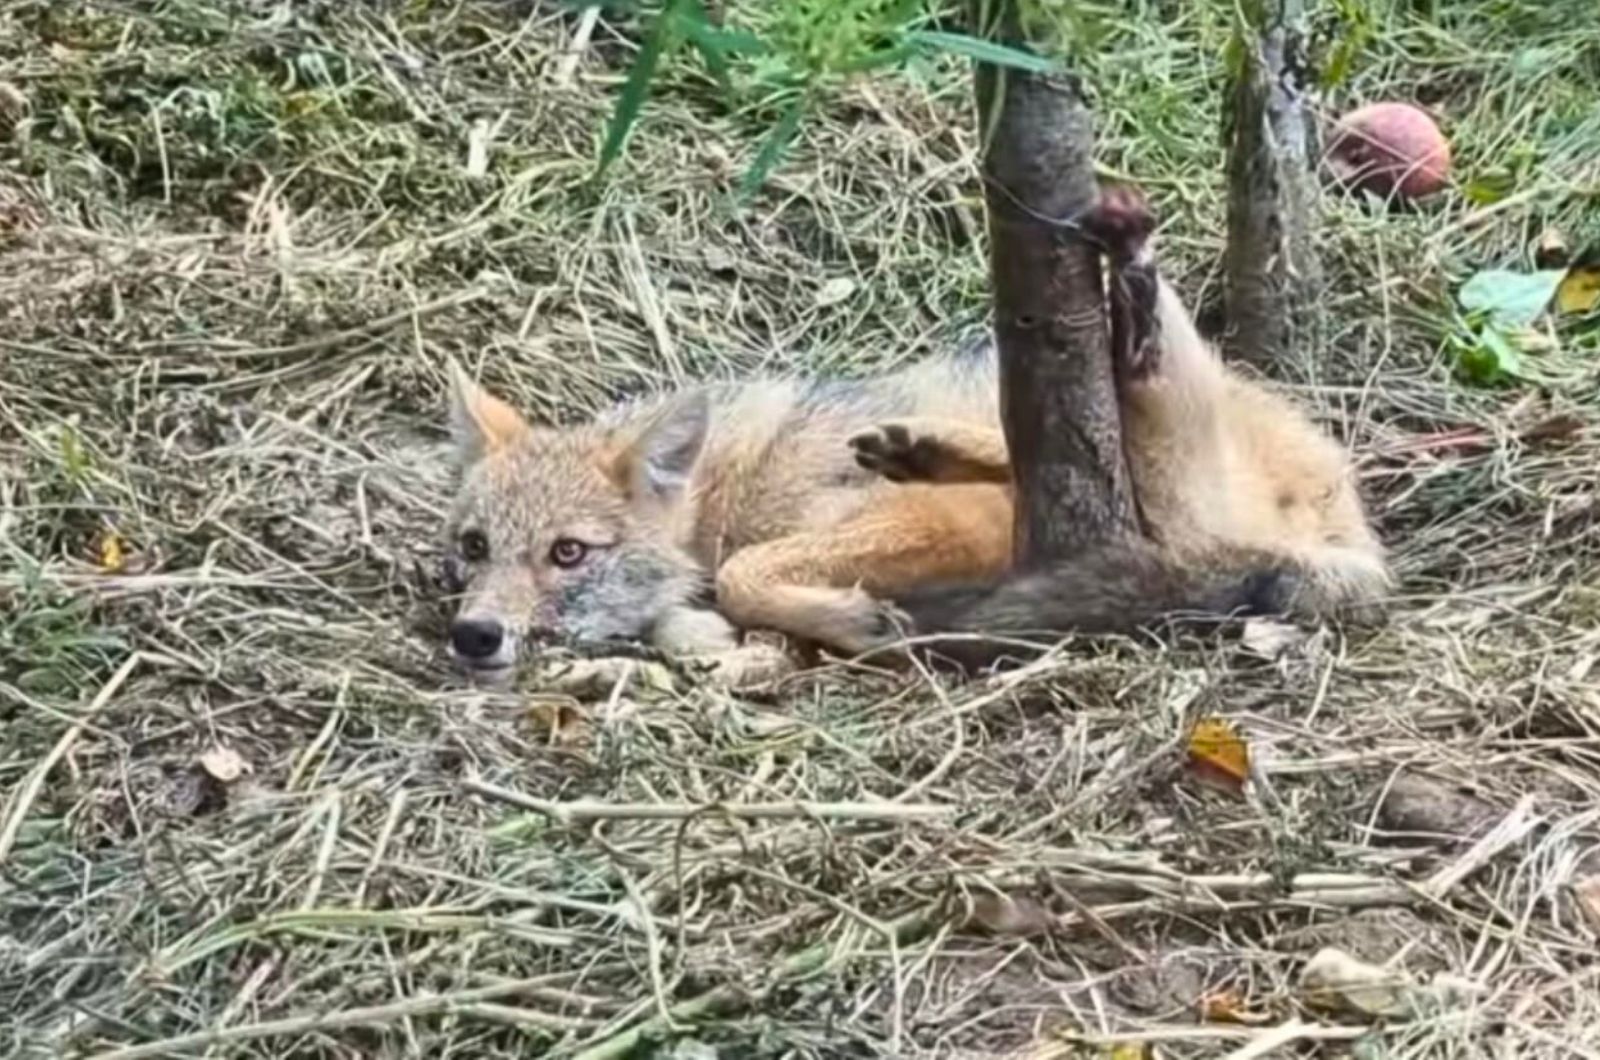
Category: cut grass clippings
[238,243]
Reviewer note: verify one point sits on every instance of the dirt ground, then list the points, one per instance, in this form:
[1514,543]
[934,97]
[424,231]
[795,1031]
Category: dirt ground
[247,809]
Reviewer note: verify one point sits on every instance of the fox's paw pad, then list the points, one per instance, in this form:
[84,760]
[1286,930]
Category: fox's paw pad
[896,452]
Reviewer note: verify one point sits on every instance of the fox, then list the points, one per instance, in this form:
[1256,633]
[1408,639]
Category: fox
[1246,506]
[856,514]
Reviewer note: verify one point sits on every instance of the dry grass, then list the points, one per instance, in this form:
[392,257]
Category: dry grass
[236,244]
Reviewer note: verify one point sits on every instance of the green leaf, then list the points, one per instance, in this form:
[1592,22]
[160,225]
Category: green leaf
[1254,13]
[982,51]
[1340,62]
[1235,55]
[1479,362]
[74,456]
[878,59]
[716,44]
[1487,357]
[706,40]
[772,149]
[1355,31]
[1486,191]
[1510,299]
[1506,357]
[664,34]
[724,41]
[1495,183]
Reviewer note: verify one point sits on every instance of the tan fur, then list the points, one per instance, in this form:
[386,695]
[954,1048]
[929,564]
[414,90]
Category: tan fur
[824,585]
[1219,463]
[775,494]
[772,513]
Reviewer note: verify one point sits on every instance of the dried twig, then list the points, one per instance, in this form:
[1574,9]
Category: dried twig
[568,813]
[365,1016]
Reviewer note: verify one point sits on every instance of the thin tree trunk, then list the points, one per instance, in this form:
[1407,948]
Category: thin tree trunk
[1271,270]
[1057,393]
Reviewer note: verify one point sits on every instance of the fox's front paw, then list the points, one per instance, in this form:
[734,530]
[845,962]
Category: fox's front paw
[693,630]
[865,624]
[895,451]
[749,666]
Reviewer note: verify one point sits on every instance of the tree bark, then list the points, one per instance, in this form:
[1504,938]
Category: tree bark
[1058,398]
[1271,270]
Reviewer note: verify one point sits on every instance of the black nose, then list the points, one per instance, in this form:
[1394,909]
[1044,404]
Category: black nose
[476,638]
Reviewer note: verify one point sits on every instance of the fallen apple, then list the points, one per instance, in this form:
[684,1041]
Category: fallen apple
[1391,149]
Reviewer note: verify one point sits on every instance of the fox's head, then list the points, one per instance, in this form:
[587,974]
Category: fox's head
[565,532]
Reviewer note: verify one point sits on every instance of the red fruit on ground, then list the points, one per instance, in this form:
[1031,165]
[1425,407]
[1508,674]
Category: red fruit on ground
[1390,148]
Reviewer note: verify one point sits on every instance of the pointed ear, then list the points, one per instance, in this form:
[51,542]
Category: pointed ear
[654,461]
[481,422]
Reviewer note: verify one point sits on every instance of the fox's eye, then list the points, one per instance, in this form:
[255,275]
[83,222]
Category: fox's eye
[474,546]
[567,552]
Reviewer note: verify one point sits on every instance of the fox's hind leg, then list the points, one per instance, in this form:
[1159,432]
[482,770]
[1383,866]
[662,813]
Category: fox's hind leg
[934,450]
[825,586]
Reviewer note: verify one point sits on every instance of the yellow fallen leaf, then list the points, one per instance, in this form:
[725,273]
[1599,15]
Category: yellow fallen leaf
[1132,1051]
[299,104]
[562,723]
[1579,290]
[1218,753]
[1229,1006]
[112,555]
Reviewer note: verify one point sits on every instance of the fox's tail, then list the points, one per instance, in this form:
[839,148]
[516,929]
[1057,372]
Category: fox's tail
[1114,588]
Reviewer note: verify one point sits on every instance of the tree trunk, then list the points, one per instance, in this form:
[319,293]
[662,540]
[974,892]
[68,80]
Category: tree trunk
[1058,399]
[1271,271]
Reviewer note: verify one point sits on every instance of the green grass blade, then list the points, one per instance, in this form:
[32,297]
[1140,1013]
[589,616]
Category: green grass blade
[982,51]
[663,36]
[724,41]
[715,44]
[878,59]
[772,148]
